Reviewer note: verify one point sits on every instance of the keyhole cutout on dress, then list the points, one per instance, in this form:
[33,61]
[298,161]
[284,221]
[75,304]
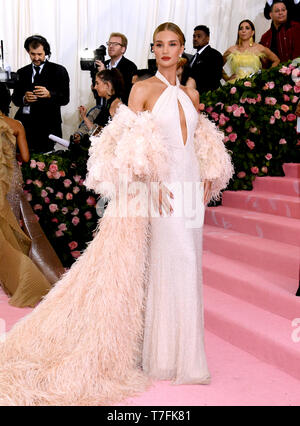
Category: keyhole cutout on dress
[183,124]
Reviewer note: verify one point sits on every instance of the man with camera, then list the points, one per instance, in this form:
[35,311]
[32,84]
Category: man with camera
[117,46]
[41,90]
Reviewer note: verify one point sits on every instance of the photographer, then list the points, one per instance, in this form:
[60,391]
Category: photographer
[42,88]
[117,46]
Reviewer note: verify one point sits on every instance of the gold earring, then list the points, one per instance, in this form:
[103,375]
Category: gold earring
[251,41]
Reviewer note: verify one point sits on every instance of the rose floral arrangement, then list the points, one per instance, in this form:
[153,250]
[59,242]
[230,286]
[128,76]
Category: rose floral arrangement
[257,116]
[53,185]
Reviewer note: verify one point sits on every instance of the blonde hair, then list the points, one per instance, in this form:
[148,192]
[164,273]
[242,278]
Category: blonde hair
[122,37]
[170,26]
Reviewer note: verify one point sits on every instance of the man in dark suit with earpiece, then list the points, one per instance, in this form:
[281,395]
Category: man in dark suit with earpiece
[42,88]
[206,65]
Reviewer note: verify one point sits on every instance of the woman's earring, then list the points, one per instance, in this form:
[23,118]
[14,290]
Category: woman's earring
[251,41]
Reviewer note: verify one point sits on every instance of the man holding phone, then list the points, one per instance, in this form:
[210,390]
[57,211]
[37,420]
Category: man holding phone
[42,88]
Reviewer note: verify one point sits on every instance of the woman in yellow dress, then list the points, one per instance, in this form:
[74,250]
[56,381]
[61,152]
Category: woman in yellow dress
[246,57]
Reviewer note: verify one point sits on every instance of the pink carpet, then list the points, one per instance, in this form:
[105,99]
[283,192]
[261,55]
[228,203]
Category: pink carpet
[251,273]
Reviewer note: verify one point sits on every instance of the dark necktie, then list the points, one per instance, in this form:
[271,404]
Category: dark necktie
[37,75]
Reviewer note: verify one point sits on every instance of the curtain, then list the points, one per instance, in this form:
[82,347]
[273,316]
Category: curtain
[73,25]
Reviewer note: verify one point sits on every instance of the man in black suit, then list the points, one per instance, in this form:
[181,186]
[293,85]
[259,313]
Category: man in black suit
[42,88]
[207,64]
[117,46]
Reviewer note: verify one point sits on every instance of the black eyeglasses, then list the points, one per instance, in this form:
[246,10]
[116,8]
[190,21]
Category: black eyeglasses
[113,43]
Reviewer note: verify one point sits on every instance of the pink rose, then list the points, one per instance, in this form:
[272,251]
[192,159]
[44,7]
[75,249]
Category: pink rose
[28,197]
[243,100]
[62,173]
[201,107]
[28,182]
[77,178]
[295,99]
[270,101]
[253,129]
[283,118]
[60,195]
[232,137]
[59,234]
[209,109]
[53,208]
[33,164]
[53,168]
[248,84]
[36,217]
[277,114]
[44,193]
[91,201]
[291,117]
[64,210]
[229,129]
[88,215]
[237,113]
[63,227]
[264,169]
[250,144]
[75,220]
[51,190]
[272,119]
[226,139]
[75,212]
[54,220]
[287,87]
[229,108]
[254,170]
[296,89]
[269,157]
[285,70]
[282,142]
[76,189]
[285,108]
[215,116]
[38,183]
[233,90]
[73,245]
[38,207]
[67,183]
[286,98]
[69,196]
[258,98]
[47,200]
[50,175]
[222,122]
[241,175]
[41,166]
[75,254]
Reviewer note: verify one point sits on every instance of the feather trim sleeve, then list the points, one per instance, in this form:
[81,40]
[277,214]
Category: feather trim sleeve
[129,145]
[213,158]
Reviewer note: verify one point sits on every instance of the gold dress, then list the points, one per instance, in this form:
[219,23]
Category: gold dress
[244,64]
[19,276]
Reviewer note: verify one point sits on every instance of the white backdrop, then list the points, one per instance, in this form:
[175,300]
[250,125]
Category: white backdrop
[72,25]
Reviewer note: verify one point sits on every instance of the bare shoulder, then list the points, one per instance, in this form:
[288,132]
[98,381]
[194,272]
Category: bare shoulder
[230,50]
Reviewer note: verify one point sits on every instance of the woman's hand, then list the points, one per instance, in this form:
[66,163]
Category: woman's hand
[160,195]
[207,191]
[82,111]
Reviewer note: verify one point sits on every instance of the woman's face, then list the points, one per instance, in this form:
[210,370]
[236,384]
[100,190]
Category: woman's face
[101,87]
[245,31]
[167,49]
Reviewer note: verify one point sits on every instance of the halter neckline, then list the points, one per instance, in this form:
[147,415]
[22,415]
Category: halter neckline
[164,80]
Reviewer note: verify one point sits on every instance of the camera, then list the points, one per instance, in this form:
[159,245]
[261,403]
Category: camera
[6,76]
[87,61]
